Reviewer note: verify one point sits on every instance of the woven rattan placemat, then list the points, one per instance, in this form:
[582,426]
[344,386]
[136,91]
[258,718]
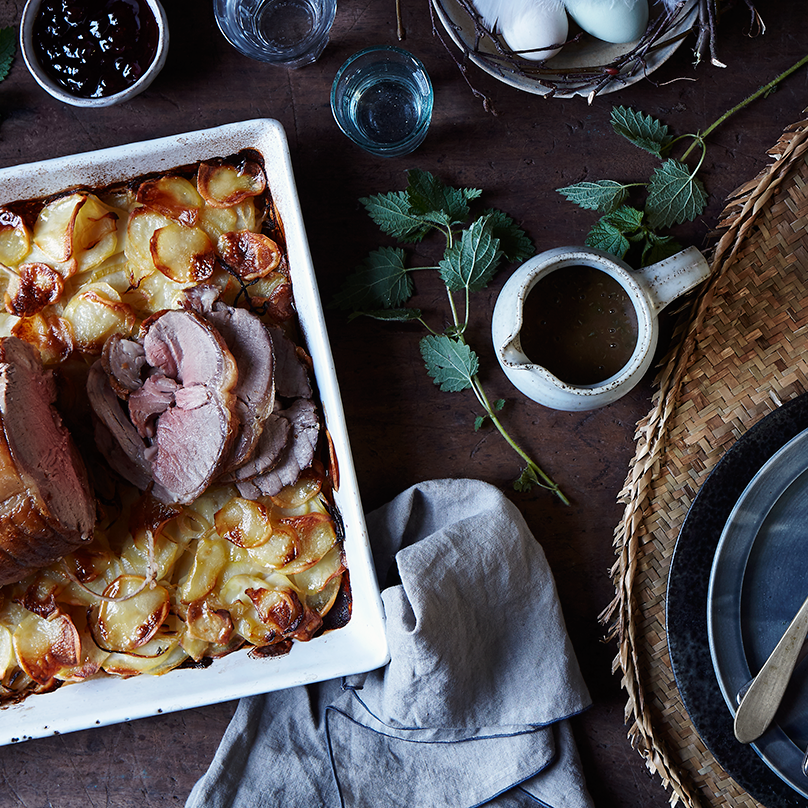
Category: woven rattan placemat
[742,349]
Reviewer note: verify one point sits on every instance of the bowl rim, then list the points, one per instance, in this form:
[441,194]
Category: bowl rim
[35,68]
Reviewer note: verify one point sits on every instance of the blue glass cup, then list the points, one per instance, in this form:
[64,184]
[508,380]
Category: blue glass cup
[382,100]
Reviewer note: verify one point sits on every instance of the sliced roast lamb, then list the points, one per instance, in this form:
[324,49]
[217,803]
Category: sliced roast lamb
[251,345]
[182,414]
[275,435]
[291,376]
[297,456]
[47,508]
[150,401]
[123,360]
[115,434]
[201,405]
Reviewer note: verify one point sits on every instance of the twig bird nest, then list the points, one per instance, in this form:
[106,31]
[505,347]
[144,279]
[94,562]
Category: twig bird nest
[600,45]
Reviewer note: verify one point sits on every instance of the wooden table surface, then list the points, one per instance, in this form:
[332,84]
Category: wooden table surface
[403,429]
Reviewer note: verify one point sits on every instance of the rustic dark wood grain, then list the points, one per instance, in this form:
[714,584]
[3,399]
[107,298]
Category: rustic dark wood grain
[402,427]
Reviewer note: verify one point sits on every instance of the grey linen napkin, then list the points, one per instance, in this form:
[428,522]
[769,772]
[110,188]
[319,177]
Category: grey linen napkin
[471,709]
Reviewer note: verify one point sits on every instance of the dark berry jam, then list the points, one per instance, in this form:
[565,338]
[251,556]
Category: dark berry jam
[95,48]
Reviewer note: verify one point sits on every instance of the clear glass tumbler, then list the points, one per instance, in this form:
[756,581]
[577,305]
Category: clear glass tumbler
[288,33]
[382,100]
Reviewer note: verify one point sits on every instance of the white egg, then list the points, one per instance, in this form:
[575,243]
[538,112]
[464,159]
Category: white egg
[527,26]
[617,21]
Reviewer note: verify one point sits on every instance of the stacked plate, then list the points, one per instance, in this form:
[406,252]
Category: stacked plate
[738,576]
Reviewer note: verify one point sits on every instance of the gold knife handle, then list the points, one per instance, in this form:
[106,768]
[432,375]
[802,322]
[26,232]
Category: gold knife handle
[758,706]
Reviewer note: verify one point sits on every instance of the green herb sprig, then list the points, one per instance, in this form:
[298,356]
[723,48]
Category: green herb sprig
[475,249]
[674,192]
[8,47]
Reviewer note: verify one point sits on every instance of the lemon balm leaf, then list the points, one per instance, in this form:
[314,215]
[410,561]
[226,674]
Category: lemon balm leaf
[450,363]
[8,47]
[471,262]
[603,195]
[513,241]
[437,202]
[675,195]
[392,213]
[626,219]
[605,236]
[526,480]
[642,130]
[380,282]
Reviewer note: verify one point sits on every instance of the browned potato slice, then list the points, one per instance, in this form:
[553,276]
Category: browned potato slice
[307,487]
[322,601]
[250,255]
[91,657]
[216,221]
[233,593]
[234,596]
[209,560]
[52,336]
[15,240]
[244,523]
[174,197]
[135,555]
[280,550]
[196,649]
[278,609]
[8,659]
[223,184]
[142,224]
[95,314]
[46,647]
[274,292]
[133,618]
[158,292]
[36,286]
[148,513]
[183,254]
[172,654]
[95,234]
[53,229]
[315,537]
[40,596]
[318,576]
[211,625]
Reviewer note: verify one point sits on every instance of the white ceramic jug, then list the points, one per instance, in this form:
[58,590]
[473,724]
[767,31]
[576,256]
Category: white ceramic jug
[649,289]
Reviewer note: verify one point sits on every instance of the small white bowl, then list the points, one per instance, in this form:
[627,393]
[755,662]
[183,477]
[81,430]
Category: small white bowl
[33,64]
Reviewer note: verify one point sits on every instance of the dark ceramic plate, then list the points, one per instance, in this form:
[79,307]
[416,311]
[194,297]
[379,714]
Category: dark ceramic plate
[758,583]
[687,602]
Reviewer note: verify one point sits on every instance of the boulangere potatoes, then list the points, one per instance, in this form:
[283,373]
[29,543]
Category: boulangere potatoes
[174,502]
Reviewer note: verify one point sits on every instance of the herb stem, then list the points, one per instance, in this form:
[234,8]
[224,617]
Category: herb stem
[452,305]
[546,482]
[766,88]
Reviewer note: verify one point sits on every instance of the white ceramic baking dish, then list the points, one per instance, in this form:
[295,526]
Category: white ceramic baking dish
[358,646]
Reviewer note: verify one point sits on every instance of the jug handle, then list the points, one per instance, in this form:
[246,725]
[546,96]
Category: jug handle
[666,280]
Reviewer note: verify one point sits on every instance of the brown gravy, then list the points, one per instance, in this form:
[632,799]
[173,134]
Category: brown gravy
[580,324]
